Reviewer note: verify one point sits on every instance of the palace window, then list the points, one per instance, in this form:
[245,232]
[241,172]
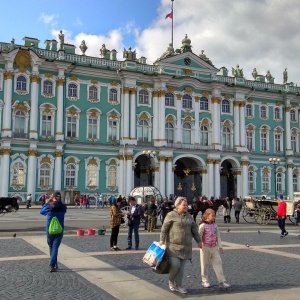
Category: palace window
[295,183]
[19,127]
[70,175]
[278,142]
[113,96]
[92,175]
[18,174]
[279,182]
[143,131]
[203,103]
[72,90]
[265,182]
[169,99]
[204,135]
[263,112]
[249,111]
[93,92]
[169,132]
[71,127]
[293,115]
[187,101]
[48,87]
[225,106]
[226,137]
[249,135]
[112,130]
[277,113]
[294,144]
[92,128]
[143,97]
[47,125]
[21,83]
[45,175]
[112,176]
[251,181]
[186,133]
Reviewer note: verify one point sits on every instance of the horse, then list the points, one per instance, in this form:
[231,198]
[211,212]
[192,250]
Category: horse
[203,206]
[8,205]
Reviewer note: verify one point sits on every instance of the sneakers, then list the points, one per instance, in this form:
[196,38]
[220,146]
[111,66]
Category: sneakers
[172,286]
[181,290]
[206,284]
[52,269]
[285,234]
[224,285]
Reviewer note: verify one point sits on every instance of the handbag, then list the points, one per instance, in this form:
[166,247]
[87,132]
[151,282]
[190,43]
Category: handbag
[54,227]
[163,267]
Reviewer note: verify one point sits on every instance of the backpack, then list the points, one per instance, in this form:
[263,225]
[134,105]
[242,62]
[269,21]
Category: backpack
[54,227]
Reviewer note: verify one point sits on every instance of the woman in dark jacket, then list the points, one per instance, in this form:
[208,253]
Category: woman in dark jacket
[115,222]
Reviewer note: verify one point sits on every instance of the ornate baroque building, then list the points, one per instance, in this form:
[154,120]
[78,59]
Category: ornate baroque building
[95,124]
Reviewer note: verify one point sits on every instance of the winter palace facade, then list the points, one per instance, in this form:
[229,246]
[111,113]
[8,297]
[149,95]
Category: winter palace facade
[85,125]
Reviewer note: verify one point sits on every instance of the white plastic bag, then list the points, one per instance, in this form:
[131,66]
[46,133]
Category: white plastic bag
[154,254]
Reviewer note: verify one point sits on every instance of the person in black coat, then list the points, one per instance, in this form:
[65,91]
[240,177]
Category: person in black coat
[134,220]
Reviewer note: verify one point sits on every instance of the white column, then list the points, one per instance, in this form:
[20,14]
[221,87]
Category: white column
[178,131]
[162,115]
[31,174]
[210,190]
[169,177]
[128,180]
[155,116]
[288,130]
[133,113]
[290,191]
[239,183]
[217,180]
[126,113]
[236,115]
[58,170]
[60,109]
[204,183]
[121,172]
[33,134]
[216,120]
[5,170]
[197,129]
[156,177]
[245,189]
[162,175]
[6,129]
[242,126]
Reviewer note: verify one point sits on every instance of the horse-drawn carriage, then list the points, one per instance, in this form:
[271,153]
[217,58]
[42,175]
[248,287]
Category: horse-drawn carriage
[8,205]
[263,211]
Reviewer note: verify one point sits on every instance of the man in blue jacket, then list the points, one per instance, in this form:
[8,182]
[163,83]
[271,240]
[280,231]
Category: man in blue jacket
[134,220]
[54,208]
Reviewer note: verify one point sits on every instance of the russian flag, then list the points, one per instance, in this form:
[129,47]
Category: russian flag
[170,15]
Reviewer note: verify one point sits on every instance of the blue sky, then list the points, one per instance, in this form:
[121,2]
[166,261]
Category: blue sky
[261,34]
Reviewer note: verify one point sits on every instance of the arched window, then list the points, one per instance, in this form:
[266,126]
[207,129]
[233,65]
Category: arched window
[18,174]
[293,115]
[250,140]
[187,101]
[72,90]
[277,115]
[112,176]
[263,112]
[112,130]
[295,183]
[19,126]
[21,83]
[279,182]
[226,137]
[143,97]
[48,87]
[169,99]
[249,110]
[113,95]
[93,127]
[251,178]
[70,175]
[72,127]
[265,182]
[203,103]
[45,175]
[169,131]
[91,175]
[47,125]
[93,92]
[186,133]
[203,135]
[143,131]
[225,106]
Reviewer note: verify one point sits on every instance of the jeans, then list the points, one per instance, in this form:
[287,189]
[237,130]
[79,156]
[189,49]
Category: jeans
[281,225]
[237,216]
[176,270]
[114,236]
[133,228]
[54,243]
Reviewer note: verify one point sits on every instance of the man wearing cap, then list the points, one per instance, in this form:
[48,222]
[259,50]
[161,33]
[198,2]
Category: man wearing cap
[281,216]
[54,208]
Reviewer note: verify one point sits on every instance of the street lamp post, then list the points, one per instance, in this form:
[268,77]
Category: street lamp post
[275,162]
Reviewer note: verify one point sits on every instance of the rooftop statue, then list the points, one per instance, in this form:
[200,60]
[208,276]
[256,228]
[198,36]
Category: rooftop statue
[129,54]
[61,38]
[254,74]
[285,76]
[168,52]
[83,47]
[269,77]
[205,58]
[103,51]
[237,72]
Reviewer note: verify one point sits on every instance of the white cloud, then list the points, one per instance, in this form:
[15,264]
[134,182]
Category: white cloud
[48,19]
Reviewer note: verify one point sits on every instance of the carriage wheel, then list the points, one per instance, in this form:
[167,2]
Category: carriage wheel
[263,217]
[249,215]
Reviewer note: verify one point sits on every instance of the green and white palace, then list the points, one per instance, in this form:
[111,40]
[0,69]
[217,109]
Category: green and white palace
[85,125]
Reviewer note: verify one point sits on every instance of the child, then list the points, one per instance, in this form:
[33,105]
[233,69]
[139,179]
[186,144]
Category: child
[211,249]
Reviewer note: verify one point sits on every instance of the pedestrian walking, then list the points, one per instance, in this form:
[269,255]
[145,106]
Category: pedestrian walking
[226,212]
[211,249]
[81,202]
[134,220]
[281,216]
[28,201]
[165,208]
[238,205]
[115,222]
[177,232]
[152,214]
[54,208]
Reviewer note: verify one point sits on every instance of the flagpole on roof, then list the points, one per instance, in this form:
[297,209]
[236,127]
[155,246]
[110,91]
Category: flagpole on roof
[172,23]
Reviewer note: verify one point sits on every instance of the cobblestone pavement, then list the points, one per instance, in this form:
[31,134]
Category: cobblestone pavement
[269,267]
